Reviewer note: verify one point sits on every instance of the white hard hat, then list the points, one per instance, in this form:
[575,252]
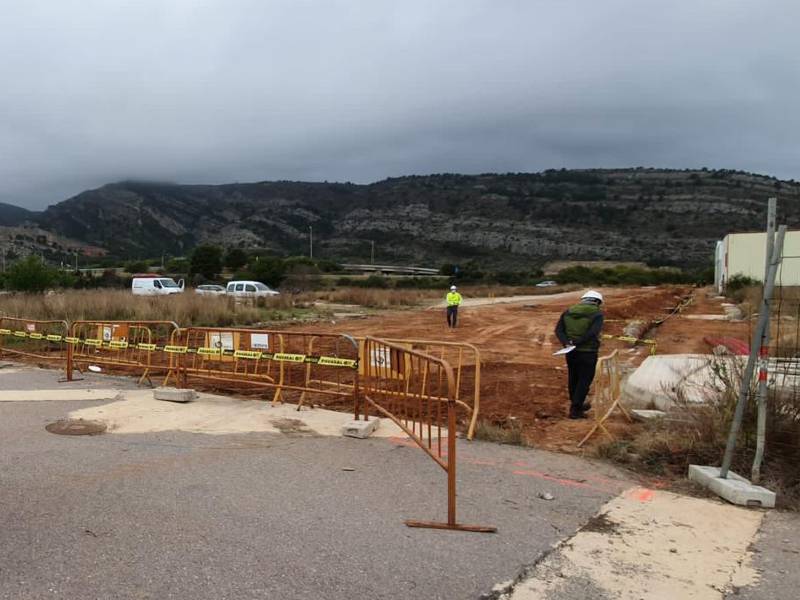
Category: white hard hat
[592,295]
[452,288]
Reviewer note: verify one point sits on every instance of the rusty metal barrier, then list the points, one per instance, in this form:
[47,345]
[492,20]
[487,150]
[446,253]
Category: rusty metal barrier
[128,346]
[464,358]
[33,338]
[253,359]
[607,395]
[416,391]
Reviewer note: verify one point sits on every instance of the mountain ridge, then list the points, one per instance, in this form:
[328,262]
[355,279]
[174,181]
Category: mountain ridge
[660,216]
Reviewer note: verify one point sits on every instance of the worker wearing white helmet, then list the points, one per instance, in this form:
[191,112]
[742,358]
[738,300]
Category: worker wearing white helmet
[580,327]
[453,300]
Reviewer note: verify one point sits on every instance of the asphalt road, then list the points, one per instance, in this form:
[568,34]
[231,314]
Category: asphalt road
[776,558]
[179,515]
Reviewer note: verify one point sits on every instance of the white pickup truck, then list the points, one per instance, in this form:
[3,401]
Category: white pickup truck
[249,289]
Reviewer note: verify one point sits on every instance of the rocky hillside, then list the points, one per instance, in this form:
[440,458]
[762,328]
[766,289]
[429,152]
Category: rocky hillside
[659,216]
[11,215]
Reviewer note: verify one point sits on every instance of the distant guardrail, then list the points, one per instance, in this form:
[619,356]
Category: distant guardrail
[390,269]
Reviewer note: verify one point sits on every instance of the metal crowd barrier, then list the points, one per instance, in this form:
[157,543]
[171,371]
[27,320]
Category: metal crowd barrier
[244,360]
[607,395]
[126,346]
[416,391]
[464,358]
[32,338]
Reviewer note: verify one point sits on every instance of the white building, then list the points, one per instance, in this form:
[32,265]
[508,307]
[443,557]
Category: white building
[745,254]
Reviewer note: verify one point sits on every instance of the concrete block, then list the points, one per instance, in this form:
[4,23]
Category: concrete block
[641,414]
[360,429]
[657,382]
[171,394]
[735,489]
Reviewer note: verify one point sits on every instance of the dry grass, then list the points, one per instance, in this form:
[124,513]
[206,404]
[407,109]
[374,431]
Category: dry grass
[696,434]
[185,309]
[508,433]
[397,298]
[375,298]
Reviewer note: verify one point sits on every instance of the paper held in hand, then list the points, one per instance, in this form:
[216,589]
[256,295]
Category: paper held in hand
[564,350]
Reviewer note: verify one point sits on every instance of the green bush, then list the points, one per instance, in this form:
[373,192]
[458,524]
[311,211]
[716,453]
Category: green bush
[30,275]
[739,282]
[624,275]
[206,261]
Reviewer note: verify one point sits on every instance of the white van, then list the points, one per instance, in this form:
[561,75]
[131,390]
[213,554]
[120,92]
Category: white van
[155,285]
[249,289]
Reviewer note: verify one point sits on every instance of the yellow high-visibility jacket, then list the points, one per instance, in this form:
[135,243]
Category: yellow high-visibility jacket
[453,299]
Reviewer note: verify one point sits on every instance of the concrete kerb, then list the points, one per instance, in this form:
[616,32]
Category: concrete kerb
[735,489]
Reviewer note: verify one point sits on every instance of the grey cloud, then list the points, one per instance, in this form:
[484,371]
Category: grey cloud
[237,90]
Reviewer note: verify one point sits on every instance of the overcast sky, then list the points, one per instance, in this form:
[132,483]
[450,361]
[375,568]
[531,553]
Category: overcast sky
[197,91]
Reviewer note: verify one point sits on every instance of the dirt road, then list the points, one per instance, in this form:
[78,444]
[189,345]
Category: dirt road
[522,381]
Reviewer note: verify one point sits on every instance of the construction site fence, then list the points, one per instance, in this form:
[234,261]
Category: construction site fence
[415,391]
[607,395]
[31,338]
[465,360]
[133,347]
[311,365]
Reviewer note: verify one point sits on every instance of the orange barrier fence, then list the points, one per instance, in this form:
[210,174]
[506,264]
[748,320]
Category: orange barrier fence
[607,395]
[324,365]
[129,346]
[33,339]
[416,391]
[464,358]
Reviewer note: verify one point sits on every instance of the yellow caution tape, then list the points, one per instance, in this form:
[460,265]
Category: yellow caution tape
[284,357]
[329,361]
[332,361]
[209,351]
[176,349]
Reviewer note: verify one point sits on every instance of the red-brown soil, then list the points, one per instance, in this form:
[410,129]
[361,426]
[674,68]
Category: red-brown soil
[521,380]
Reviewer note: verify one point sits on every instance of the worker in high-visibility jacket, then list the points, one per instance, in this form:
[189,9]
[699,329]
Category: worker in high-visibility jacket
[453,302]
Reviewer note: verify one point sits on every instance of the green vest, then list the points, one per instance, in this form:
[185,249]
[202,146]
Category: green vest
[577,320]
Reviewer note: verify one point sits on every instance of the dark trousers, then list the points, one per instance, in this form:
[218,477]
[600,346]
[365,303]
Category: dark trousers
[580,367]
[452,316]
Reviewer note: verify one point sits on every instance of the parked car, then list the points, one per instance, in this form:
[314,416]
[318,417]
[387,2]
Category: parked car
[155,285]
[210,290]
[548,283]
[249,289]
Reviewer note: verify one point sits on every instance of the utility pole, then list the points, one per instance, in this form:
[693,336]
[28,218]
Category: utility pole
[755,351]
[763,359]
[310,242]
[372,253]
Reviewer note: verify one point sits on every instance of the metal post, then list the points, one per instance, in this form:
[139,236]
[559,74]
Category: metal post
[763,363]
[310,242]
[451,461]
[763,319]
[372,253]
